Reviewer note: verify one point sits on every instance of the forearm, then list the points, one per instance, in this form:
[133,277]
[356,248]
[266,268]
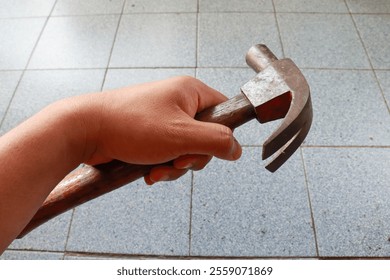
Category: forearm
[35,156]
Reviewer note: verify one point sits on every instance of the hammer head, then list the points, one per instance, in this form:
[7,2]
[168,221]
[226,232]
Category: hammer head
[279,90]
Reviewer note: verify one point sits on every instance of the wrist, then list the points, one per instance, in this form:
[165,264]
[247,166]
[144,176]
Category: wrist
[79,119]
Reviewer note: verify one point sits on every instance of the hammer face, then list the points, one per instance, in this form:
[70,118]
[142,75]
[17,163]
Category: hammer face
[269,94]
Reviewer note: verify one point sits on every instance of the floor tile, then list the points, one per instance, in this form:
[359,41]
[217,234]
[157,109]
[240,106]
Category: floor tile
[384,80]
[40,88]
[22,33]
[135,219]
[22,8]
[329,6]
[374,30]
[348,109]
[87,7]
[224,39]
[349,189]
[75,42]
[155,6]
[228,81]
[235,6]
[49,236]
[322,41]
[8,83]
[369,6]
[30,255]
[155,40]
[117,78]
[240,209]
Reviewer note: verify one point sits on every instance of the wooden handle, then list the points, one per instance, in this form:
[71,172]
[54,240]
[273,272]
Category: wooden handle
[88,182]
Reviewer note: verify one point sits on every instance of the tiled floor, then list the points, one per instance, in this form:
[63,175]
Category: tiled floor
[332,199]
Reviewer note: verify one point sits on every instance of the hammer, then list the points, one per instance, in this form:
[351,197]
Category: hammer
[279,90]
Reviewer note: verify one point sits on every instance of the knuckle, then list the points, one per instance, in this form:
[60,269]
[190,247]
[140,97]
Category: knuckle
[185,81]
[226,139]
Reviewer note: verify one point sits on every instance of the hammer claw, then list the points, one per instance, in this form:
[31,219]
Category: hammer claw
[286,150]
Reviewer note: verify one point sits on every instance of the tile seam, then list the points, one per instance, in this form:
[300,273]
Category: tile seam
[112,46]
[368,57]
[27,63]
[310,202]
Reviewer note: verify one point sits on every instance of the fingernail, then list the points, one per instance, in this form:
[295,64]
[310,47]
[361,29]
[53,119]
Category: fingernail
[187,166]
[163,178]
[236,150]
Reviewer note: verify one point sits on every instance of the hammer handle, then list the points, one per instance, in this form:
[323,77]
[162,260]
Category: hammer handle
[88,182]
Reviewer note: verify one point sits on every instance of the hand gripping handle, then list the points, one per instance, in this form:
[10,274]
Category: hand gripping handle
[88,182]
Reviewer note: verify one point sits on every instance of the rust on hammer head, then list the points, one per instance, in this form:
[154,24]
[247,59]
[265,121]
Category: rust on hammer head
[279,90]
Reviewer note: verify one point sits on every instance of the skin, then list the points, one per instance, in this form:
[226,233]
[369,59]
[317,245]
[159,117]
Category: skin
[144,124]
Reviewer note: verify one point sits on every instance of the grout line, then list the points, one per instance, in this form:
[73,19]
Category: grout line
[28,62]
[382,91]
[112,47]
[190,223]
[192,172]
[68,233]
[179,257]
[197,37]
[278,28]
[185,67]
[330,146]
[310,203]
[346,147]
[193,12]
[368,57]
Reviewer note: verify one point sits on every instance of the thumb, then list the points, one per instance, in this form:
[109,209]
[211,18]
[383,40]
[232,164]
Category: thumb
[210,139]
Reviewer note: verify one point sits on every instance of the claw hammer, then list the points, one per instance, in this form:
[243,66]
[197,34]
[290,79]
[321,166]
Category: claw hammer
[279,90]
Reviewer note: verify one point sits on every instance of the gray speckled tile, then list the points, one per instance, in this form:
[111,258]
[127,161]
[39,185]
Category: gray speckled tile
[75,42]
[350,190]
[155,6]
[240,209]
[22,8]
[8,83]
[374,30]
[348,109]
[135,219]
[87,7]
[228,81]
[155,40]
[40,88]
[384,80]
[49,236]
[22,33]
[322,41]
[369,6]
[117,78]
[235,6]
[329,6]
[30,255]
[225,38]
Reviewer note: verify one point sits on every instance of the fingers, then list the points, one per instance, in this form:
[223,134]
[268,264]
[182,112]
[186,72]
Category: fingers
[164,173]
[180,167]
[202,137]
[211,139]
[193,162]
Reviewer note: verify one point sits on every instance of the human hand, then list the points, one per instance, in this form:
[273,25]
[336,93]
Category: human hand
[154,123]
